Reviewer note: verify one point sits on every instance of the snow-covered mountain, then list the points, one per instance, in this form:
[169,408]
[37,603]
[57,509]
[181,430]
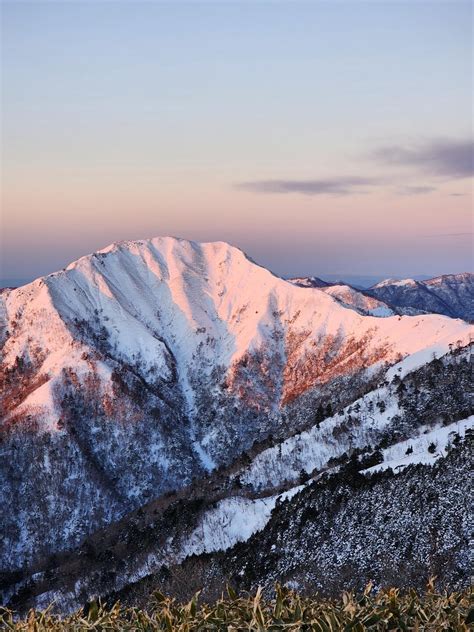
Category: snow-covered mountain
[449,294]
[150,364]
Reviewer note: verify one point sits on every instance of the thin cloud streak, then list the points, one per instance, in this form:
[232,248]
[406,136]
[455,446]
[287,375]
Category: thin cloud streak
[330,186]
[448,158]
[338,186]
[445,158]
[415,190]
[468,234]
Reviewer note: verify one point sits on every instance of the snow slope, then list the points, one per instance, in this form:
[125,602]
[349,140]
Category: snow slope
[312,449]
[234,520]
[167,305]
[396,456]
[362,423]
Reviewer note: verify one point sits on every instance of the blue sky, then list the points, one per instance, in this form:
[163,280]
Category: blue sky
[307,133]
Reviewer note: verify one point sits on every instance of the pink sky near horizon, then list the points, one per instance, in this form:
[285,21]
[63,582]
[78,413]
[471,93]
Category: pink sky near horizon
[318,137]
[283,232]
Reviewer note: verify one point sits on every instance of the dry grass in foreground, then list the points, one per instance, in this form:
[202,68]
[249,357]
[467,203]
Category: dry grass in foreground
[386,610]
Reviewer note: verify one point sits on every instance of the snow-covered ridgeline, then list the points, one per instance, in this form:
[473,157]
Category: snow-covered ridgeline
[233,520]
[430,352]
[149,359]
[450,294]
[426,446]
[353,299]
[312,449]
[167,301]
[395,282]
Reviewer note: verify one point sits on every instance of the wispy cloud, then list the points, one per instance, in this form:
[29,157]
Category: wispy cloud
[468,234]
[343,185]
[415,190]
[443,157]
[436,158]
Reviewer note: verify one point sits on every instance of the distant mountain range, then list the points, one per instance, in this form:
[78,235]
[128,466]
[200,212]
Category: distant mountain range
[360,281]
[449,294]
[163,399]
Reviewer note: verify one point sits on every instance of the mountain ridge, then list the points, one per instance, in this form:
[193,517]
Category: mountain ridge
[149,364]
[448,294]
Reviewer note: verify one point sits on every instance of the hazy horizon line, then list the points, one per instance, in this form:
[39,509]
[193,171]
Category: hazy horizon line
[362,280]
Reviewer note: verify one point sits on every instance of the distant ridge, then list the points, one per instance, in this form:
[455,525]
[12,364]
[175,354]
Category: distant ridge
[448,294]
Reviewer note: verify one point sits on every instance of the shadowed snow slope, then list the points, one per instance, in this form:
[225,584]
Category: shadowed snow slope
[148,363]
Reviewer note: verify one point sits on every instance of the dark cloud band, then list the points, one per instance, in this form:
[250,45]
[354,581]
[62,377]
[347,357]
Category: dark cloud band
[448,158]
[330,186]
[415,190]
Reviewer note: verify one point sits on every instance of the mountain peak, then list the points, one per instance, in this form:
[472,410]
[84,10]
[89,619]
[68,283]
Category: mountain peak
[395,282]
[181,248]
[457,277]
[309,282]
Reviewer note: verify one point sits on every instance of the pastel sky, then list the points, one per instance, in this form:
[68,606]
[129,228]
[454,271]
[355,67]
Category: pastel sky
[320,137]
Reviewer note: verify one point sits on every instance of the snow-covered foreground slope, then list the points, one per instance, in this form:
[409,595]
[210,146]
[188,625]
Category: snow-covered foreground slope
[233,520]
[149,363]
[388,529]
[371,419]
[417,415]
[312,449]
[426,446]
